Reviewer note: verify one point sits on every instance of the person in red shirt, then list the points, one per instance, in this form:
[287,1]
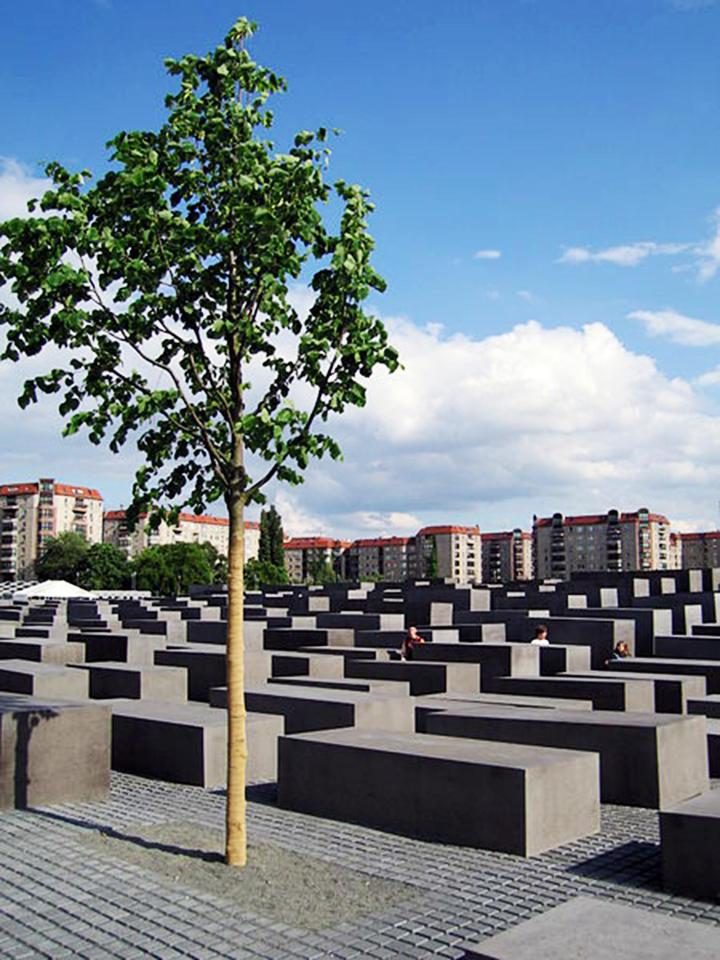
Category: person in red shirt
[411,640]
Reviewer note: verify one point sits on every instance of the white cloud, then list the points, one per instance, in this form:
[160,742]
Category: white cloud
[688,331]
[17,187]
[393,524]
[297,522]
[538,419]
[625,255]
[703,257]
[525,295]
[708,254]
[487,255]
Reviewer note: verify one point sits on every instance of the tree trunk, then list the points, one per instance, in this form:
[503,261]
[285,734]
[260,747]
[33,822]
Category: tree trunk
[235,828]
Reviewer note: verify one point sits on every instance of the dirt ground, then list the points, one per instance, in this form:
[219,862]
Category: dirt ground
[288,887]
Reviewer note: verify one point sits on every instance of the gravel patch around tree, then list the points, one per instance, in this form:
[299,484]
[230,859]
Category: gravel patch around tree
[292,888]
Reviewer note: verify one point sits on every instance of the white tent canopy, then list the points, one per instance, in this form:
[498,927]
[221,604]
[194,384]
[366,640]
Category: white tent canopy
[59,589]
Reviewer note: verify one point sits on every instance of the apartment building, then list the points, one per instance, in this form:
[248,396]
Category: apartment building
[675,551]
[564,546]
[698,550]
[458,551]
[506,556]
[31,513]
[305,555]
[189,528]
[386,558]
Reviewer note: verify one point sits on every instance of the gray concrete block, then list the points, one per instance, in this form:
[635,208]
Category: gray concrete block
[690,844]
[444,701]
[135,682]
[206,667]
[496,659]
[187,743]
[42,651]
[696,648]
[42,680]
[315,709]
[423,677]
[708,706]
[671,691]
[493,796]
[646,760]
[556,658]
[52,751]
[710,669]
[594,929]
[119,648]
[390,688]
[606,694]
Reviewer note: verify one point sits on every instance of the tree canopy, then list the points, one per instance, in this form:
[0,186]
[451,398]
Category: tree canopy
[61,556]
[103,567]
[260,573]
[272,538]
[166,288]
[170,569]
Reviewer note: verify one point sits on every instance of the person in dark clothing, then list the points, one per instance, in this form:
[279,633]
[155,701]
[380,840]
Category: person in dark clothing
[412,639]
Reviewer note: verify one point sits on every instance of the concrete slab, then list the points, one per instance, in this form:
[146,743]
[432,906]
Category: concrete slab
[135,682]
[424,677]
[517,799]
[596,930]
[52,751]
[42,651]
[42,680]
[671,691]
[690,843]
[708,706]
[646,760]
[314,709]
[187,743]
[710,669]
[606,694]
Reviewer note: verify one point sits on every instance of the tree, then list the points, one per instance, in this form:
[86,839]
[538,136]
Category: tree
[321,571]
[260,573]
[272,538]
[166,286]
[61,557]
[103,567]
[172,568]
[218,562]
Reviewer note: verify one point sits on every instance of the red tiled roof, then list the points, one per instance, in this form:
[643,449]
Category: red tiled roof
[11,489]
[59,489]
[382,542]
[506,535]
[310,543]
[599,518]
[68,490]
[187,517]
[709,535]
[437,531]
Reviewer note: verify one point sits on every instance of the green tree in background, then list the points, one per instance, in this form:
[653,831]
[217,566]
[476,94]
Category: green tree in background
[103,567]
[261,573]
[321,572]
[218,562]
[61,557]
[165,289]
[272,538]
[171,569]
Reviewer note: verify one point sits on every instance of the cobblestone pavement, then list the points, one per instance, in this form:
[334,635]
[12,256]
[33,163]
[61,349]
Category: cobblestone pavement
[58,898]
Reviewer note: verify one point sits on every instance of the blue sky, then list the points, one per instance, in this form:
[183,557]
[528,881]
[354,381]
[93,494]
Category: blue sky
[546,177]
